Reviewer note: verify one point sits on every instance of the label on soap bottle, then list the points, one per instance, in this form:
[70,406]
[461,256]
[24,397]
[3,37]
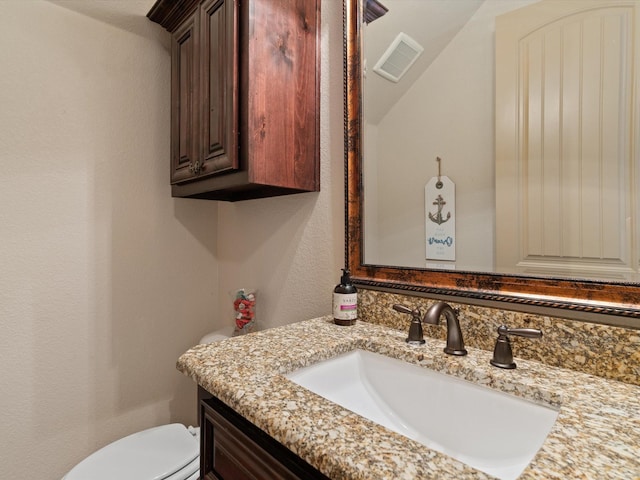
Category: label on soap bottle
[345,306]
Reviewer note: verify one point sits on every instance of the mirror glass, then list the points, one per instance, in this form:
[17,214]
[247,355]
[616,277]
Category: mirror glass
[501,136]
[493,167]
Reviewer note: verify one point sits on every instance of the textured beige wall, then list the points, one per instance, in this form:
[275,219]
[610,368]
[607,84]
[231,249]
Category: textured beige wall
[291,248]
[104,279]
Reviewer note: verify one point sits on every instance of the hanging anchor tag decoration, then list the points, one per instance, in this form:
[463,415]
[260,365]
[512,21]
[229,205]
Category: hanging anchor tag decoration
[440,207]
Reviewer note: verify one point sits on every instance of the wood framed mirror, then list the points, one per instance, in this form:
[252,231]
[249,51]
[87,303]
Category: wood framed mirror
[568,297]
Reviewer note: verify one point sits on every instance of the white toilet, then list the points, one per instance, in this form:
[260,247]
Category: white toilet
[167,452]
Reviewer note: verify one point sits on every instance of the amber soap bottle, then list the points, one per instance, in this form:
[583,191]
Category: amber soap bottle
[345,301]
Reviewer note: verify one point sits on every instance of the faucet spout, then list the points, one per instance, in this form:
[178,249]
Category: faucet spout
[455,343]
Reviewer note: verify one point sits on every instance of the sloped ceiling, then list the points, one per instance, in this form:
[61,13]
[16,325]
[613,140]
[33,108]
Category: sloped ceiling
[432,23]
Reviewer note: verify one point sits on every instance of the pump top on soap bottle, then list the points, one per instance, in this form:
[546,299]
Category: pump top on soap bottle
[345,301]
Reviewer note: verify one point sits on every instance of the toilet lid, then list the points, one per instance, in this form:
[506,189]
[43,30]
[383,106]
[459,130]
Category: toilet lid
[152,454]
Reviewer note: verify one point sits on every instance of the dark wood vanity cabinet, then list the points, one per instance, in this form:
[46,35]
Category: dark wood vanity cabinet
[232,448]
[203,81]
[245,97]
[184,105]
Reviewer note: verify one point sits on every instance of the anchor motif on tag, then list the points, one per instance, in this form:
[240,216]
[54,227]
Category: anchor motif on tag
[437,217]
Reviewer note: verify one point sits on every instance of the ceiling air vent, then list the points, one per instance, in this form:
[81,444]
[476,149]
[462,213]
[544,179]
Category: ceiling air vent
[400,55]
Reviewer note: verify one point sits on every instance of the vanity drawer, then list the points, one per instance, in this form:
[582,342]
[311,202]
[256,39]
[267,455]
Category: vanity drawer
[232,448]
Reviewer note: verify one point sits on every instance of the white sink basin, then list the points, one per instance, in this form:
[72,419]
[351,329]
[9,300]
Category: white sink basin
[484,428]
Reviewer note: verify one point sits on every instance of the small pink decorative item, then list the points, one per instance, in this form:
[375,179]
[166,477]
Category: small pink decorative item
[244,306]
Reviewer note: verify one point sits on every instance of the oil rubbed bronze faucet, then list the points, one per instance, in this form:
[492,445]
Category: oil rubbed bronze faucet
[455,343]
[502,353]
[415,336]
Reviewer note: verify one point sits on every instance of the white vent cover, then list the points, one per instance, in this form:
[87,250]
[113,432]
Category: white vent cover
[400,55]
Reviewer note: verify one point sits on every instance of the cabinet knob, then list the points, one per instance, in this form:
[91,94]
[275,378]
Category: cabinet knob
[195,167]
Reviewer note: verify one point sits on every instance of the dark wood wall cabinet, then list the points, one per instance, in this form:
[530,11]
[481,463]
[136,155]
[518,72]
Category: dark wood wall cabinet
[232,448]
[245,92]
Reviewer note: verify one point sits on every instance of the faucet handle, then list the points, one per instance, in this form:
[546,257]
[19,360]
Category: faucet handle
[402,309]
[416,336]
[502,353]
[520,332]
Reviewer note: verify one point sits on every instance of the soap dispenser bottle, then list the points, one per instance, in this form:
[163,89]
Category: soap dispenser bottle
[345,301]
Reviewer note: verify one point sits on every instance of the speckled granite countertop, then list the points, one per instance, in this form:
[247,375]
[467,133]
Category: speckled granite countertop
[596,435]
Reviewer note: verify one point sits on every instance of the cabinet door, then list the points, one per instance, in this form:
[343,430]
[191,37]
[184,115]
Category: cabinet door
[185,163]
[565,148]
[229,454]
[219,80]
[232,448]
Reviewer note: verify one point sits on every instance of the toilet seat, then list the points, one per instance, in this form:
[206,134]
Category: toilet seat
[168,452]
